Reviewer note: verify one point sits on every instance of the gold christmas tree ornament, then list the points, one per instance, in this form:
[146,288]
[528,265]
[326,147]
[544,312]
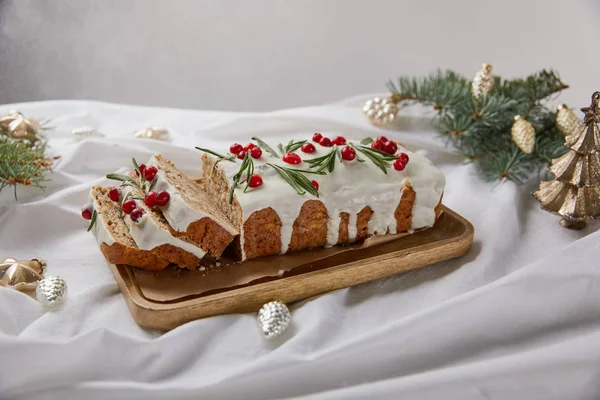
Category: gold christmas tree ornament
[21,274]
[16,126]
[380,111]
[567,122]
[483,82]
[574,193]
[523,134]
[152,133]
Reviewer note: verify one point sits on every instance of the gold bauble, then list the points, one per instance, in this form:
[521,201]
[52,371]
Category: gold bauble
[152,133]
[16,126]
[523,134]
[483,82]
[567,122]
[21,274]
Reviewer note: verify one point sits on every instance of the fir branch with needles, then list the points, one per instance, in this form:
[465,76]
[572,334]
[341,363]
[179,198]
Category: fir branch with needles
[23,163]
[480,130]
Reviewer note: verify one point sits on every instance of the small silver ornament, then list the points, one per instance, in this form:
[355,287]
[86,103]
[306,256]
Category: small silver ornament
[152,133]
[273,319]
[85,132]
[51,291]
[380,111]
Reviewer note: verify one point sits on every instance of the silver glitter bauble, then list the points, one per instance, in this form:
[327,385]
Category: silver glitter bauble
[51,291]
[273,319]
[380,111]
[85,132]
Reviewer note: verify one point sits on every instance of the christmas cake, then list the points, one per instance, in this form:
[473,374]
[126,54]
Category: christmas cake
[320,192]
[112,234]
[258,200]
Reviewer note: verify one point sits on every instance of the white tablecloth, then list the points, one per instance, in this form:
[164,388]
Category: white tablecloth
[517,318]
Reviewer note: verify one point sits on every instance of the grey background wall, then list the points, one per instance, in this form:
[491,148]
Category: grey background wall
[269,54]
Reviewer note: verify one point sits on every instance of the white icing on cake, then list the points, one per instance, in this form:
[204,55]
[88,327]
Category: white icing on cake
[178,212]
[147,234]
[352,186]
[101,233]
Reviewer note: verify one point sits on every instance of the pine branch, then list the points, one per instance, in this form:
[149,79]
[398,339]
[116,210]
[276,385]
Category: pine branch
[23,163]
[480,130]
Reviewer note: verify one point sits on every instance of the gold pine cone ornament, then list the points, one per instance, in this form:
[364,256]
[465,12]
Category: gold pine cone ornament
[380,111]
[567,122]
[523,134]
[483,82]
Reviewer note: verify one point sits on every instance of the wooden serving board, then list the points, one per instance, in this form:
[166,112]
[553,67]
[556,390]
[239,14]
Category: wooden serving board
[451,237]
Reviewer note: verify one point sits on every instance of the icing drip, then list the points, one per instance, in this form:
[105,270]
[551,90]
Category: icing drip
[101,233]
[148,235]
[352,186]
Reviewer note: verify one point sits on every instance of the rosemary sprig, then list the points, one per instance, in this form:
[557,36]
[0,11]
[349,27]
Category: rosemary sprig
[378,157]
[92,221]
[325,162]
[265,147]
[366,141]
[293,146]
[281,149]
[218,155]
[295,178]
[247,164]
[122,178]
[136,167]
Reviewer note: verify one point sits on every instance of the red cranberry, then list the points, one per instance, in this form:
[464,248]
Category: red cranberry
[162,198]
[256,152]
[249,146]
[317,137]
[150,173]
[308,148]
[339,140]
[255,181]
[236,148]
[390,147]
[86,211]
[403,157]
[142,168]
[377,144]
[348,153]
[128,206]
[326,142]
[292,158]
[315,184]
[383,139]
[150,199]
[114,194]
[136,214]
[399,165]
[242,154]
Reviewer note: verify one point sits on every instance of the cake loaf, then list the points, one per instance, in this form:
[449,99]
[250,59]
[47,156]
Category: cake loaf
[113,236]
[323,192]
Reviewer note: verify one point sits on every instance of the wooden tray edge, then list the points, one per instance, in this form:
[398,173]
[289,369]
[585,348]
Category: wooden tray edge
[165,316]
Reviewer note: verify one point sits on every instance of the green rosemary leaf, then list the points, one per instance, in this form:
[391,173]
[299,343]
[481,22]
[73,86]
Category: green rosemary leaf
[366,141]
[295,146]
[378,157]
[307,171]
[281,149]
[249,172]
[214,153]
[136,167]
[236,178]
[299,182]
[287,146]
[324,162]
[359,159]
[92,221]
[265,147]
[122,178]
[339,155]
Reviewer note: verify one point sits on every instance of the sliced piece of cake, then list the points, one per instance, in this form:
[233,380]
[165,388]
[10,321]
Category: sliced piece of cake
[113,236]
[151,231]
[191,211]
